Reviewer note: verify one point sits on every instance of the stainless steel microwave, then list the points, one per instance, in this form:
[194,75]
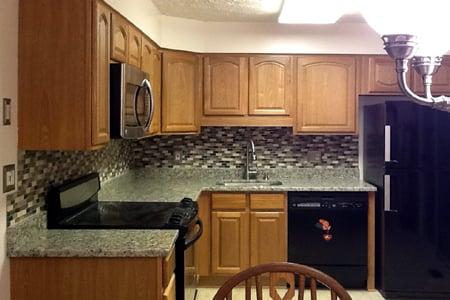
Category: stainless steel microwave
[132,104]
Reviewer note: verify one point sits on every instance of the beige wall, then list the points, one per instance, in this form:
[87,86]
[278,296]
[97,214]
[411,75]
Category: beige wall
[8,135]
[192,35]
[343,38]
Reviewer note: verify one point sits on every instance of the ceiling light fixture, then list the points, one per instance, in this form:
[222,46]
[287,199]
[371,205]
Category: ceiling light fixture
[270,6]
[311,12]
[412,34]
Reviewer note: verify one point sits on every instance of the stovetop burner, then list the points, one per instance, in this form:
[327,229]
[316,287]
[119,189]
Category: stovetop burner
[75,205]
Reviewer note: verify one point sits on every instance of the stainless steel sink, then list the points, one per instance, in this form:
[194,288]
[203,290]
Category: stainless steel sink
[250,182]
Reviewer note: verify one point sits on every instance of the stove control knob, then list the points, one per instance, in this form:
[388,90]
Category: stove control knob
[186,202]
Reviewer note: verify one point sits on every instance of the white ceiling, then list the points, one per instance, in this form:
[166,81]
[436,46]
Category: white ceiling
[220,10]
[229,10]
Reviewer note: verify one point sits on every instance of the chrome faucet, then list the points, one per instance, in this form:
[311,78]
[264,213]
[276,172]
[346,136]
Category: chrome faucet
[251,157]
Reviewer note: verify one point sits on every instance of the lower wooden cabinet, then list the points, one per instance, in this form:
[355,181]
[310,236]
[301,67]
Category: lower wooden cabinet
[169,292]
[99,278]
[265,227]
[230,241]
[241,224]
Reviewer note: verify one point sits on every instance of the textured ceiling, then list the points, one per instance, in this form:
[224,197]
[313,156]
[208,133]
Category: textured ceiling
[230,10]
[222,10]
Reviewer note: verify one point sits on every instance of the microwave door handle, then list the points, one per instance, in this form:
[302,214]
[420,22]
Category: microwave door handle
[136,98]
[148,88]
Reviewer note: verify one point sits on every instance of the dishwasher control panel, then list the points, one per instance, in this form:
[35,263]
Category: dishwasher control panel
[324,205]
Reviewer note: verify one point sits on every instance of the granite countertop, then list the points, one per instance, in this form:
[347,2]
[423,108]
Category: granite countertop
[31,238]
[174,184]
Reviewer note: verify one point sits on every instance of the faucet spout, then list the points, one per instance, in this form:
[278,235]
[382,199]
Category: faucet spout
[250,157]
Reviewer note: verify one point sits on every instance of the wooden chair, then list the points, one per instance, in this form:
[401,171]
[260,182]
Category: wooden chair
[282,273]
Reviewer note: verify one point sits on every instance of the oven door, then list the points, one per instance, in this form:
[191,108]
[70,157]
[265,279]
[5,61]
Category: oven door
[137,103]
[187,287]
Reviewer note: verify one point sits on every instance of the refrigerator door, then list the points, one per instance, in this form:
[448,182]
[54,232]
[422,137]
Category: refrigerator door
[412,261]
[403,135]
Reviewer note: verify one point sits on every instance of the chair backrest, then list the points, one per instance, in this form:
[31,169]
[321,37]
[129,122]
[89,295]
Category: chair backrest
[282,272]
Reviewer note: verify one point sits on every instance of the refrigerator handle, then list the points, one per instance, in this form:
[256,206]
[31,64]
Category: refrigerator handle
[387,143]
[387,148]
[387,194]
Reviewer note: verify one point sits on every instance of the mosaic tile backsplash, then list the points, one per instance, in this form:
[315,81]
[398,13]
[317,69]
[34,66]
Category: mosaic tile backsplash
[38,170]
[224,147]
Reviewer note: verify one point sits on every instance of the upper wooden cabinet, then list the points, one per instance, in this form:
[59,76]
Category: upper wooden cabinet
[225,85]
[441,80]
[100,96]
[181,92]
[120,38]
[134,46]
[151,64]
[378,75]
[326,95]
[271,87]
[63,75]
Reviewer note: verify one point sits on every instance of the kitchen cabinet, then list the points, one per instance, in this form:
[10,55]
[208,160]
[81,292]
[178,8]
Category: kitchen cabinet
[441,80]
[99,278]
[63,74]
[240,226]
[181,92]
[378,76]
[151,64]
[268,226]
[120,38]
[134,46]
[100,97]
[271,86]
[225,85]
[229,245]
[326,95]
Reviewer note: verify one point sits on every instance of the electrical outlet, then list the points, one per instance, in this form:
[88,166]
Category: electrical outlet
[9,178]
[6,111]
[177,155]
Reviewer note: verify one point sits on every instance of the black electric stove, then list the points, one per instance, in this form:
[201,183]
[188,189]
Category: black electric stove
[75,205]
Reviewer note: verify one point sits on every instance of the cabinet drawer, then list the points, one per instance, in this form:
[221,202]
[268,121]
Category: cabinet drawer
[169,292]
[168,267]
[268,201]
[228,201]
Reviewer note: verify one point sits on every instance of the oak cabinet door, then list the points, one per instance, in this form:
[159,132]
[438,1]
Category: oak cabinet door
[225,85]
[379,76]
[441,80]
[264,227]
[326,94]
[151,64]
[119,38]
[229,241]
[134,47]
[271,86]
[100,97]
[181,91]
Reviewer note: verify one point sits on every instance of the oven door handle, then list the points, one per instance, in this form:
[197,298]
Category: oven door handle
[196,236]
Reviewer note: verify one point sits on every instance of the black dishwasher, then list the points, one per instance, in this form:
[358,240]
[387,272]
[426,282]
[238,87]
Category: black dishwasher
[328,231]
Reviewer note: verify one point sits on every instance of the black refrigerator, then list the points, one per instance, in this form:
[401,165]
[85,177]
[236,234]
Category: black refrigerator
[407,156]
